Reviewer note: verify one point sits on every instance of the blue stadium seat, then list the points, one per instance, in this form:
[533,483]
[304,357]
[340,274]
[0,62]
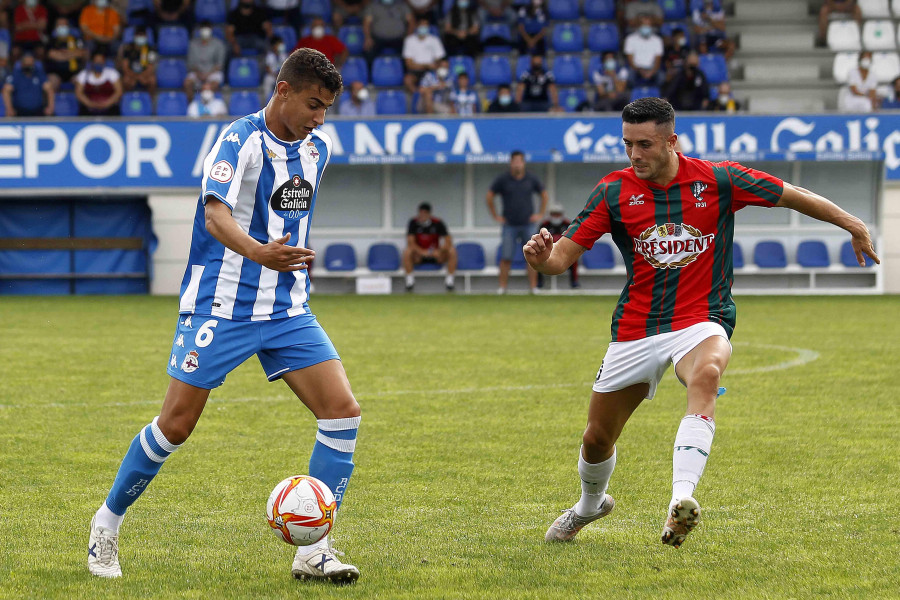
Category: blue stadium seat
[243,103]
[770,255]
[568,69]
[673,10]
[316,8]
[567,37]
[353,38]
[391,102]
[136,104]
[698,5]
[499,31]
[595,63]
[737,256]
[667,29]
[66,105]
[647,91]
[714,67]
[243,72]
[495,70]
[288,35]
[600,10]
[461,63]
[170,73]
[171,104]
[128,35]
[340,257]
[355,69]
[470,256]
[563,10]
[383,257]
[213,11]
[173,40]
[518,259]
[848,257]
[813,253]
[599,257]
[387,71]
[571,98]
[603,37]
[137,11]
[523,63]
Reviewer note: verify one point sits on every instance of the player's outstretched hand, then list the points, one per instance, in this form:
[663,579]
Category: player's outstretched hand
[862,244]
[278,256]
[537,250]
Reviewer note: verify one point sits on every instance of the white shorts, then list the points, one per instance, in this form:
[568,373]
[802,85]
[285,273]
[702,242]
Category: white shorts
[646,360]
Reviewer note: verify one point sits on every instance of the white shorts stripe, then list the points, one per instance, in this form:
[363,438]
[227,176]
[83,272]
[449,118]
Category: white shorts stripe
[336,444]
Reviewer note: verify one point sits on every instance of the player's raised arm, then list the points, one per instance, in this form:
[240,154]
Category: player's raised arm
[548,258]
[818,207]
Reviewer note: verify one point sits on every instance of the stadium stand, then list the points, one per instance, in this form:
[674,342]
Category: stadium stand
[770,254]
[171,104]
[170,73]
[355,69]
[848,256]
[352,37]
[66,105]
[383,257]
[599,257]
[243,72]
[136,104]
[391,102]
[737,256]
[173,40]
[243,102]
[387,71]
[340,257]
[813,253]
[470,256]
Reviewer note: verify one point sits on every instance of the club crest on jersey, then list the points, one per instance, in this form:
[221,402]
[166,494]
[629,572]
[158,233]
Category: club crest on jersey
[697,188]
[191,362]
[672,245]
[312,152]
[295,194]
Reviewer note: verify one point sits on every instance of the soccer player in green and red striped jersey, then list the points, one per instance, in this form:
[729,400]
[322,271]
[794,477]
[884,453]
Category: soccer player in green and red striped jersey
[672,218]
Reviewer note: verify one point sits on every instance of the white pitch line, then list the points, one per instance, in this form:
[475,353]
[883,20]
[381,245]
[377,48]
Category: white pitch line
[803,357]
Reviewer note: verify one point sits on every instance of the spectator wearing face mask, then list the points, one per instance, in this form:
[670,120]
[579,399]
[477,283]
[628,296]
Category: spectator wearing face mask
[462,29]
[66,54]
[357,103]
[98,88]
[644,51]
[137,62]
[725,101]
[285,10]
[29,24]
[556,224]
[385,25]
[676,49]
[503,103]
[688,89]
[205,60]
[100,25]
[207,104]
[532,27]
[435,90]
[326,43]
[610,85]
[463,99]
[173,12]
[421,52]
[860,93]
[347,10]
[537,88]
[248,27]
[274,59]
[26,91]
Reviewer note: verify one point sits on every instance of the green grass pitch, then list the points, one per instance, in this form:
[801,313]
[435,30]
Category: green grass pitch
[472,413]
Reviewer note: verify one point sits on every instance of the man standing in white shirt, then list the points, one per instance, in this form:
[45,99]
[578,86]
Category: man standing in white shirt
[644,51]
[421,52]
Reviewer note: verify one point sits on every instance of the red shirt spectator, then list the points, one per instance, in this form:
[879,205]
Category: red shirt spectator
[329,45]
[29,23]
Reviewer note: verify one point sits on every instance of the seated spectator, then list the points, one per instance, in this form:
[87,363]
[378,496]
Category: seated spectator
[860,95]
[385,25]
[66,55]
[675,50]
[173,12]
[287,11]
[206,103]
[100,25]
[421,52]
[425,9]
[610,85]
[709,27]
[463,99]
[503,103]
[137,62]
[274,59]
[635,9]
[497,11]
[4,60]
[357,103]
[462,29]
[348,11]
[725,101]
[29,25]
[247,28]
[26,92]
[326,43]
[557,223]
[99,87]
[894,101]
[428,242]
[536,91]
[205,60]
[644,51]
[435,90]
[688,89]
[831,7]
[532,27]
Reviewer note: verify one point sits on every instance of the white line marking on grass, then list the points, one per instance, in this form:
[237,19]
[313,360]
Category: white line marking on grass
[803,357]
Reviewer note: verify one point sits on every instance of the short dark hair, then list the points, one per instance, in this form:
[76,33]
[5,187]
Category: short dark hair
[642,110]
[306,66]
[425,206]
[516,153]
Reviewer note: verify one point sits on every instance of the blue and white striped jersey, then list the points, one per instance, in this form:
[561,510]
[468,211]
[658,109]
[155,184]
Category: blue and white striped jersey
[270,186]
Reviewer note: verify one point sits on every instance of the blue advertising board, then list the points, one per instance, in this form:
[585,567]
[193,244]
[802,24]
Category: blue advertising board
[168,153]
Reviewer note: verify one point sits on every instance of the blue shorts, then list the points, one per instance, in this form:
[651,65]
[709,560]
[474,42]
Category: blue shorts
[206,348]
[513,238]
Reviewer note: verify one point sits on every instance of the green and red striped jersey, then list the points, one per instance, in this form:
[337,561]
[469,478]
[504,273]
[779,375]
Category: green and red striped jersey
[676,241]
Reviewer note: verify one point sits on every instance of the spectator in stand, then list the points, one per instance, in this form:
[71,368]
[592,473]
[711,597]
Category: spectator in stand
[424,9]
[29,25]
[205,60]
[841,7]
[633,10]
[860,95]
[274,59]
[644,51]
[66,55]
[100,25]
[610,85]
[4,61]
[532,27]
[503,103]
[894,101]
[421,52]
[326,43]
[725,101]
[285,10]
[357,103]
[435,90]
[70,9]
[386,25]
[688,89]
[709,27]
[676,49]
[556,224]
[99,87]
[26,92]
[464,100]
[347,11]
[206,103]
[428,242]
[462,29]
[137,62]
[497,11]
[248,27]
[537,91]
[173,12]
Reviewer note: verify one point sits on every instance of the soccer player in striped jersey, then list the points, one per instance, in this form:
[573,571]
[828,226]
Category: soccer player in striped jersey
[672,218]
[245,292]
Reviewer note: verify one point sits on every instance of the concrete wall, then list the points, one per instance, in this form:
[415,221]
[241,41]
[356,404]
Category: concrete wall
[889,250]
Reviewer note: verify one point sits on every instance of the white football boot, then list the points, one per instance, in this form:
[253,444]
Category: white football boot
[322,564]
[568,524]
[103,552]
[683,516]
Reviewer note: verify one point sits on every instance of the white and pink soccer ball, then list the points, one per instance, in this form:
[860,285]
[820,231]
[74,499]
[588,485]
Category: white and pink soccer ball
[301,510]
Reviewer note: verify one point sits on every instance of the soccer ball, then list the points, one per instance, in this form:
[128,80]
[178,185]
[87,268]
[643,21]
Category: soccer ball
[301,510]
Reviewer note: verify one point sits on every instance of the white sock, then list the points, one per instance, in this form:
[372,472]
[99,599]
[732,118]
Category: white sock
[448,280]
[410,280]
[594,480]
[320,545]
[108,519]
[692,444]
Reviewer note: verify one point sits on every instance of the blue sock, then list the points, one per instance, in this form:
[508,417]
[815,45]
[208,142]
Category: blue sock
[332,456]
[142,462]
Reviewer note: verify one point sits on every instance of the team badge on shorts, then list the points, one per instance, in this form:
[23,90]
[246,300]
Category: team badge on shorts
[191,362]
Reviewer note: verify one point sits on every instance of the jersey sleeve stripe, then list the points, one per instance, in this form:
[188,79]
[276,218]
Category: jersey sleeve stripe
[597,196]
[767,190]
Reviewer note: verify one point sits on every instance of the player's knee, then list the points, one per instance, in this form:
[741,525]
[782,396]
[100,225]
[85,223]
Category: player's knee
[176,431]
[707,375]
[349,407]
[597,438]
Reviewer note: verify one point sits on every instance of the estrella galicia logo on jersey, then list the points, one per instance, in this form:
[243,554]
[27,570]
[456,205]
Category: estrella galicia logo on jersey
[672,245]
[295,194]
[697,188]
[312,152]
[191,362]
